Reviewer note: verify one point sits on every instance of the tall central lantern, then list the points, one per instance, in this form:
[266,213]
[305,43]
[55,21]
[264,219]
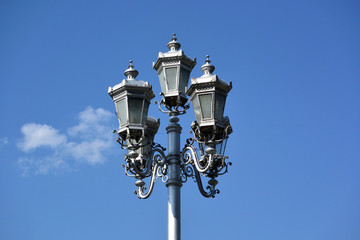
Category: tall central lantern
[173,69]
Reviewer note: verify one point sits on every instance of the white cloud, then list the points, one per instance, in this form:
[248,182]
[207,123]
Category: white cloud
[86,142]
[3,141]
[95,134]
[91,152]
[91,123]
[39,135]
[41,165]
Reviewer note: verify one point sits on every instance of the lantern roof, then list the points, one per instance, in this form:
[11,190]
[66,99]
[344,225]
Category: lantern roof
[174,54]
[153,124]
[208,79]
[131,83]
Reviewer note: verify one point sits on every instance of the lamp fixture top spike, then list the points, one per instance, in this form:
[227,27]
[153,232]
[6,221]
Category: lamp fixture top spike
[174,45]
[131,73]
[207,68]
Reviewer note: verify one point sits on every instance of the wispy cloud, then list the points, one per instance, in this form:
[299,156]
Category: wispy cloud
[43,165]
[94,134]
[3,141]
[87,142]
[40,135]
[91,122]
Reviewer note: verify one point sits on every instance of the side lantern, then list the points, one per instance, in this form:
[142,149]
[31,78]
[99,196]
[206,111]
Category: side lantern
[132,98]
[151,128]
[208,96]
[173,69]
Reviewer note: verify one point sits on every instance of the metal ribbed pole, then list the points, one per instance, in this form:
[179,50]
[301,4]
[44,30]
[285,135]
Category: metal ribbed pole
[174,182]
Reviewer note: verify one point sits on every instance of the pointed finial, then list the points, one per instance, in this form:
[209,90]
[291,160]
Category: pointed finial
[131,73]
[131,66]
[207,59]
[174,45]
[207,68]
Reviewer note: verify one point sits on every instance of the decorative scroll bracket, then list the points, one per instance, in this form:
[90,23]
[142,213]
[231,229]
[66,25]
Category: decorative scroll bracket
[209,165]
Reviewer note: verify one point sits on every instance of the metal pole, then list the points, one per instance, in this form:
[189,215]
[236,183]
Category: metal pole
[174,182]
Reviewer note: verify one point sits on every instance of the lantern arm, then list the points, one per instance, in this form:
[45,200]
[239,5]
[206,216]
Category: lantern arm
[189,155]
[162,102]
[173,111]
[190,170]
[211,190]
[128,167]
[224,166]
[158,169]
[210,165]
[133,166]
[142,167]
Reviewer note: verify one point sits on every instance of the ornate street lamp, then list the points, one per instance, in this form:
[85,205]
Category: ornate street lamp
[136,131]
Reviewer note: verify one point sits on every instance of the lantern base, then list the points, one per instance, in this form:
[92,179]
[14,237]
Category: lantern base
[175,101]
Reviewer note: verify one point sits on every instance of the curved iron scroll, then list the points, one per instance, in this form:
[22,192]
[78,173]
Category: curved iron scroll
[158,169]
[209,165]
[190,171]
[175,111]
[189,155]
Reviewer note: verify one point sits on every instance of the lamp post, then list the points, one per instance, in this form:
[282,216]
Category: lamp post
[137,130]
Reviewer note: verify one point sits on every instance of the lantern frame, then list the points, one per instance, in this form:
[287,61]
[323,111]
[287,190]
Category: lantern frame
[132,119]
[151,128]
[174,96]
[141,153]
[215,139]
[209,118]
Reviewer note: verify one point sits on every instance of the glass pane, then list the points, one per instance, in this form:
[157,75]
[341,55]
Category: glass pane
[219,106]
[128,150]
[121,111]
[139,150]
[196,107]
[171,77]
[184,79]
[146,149]
[162,81]
[145,113]
[218,148]
[224,147]
[135,109]
[206,105]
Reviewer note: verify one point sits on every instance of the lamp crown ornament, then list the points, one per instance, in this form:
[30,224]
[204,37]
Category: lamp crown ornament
[207,68]
[131,73]
[174,45]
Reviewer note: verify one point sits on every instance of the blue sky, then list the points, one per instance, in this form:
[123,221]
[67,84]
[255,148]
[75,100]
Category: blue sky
[294,107]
